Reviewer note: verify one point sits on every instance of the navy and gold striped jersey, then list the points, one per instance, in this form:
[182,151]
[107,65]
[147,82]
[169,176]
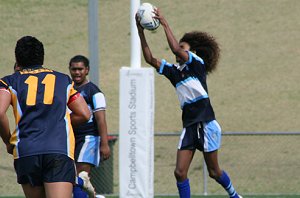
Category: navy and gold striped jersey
[96,102]
[39,100]
[189,80]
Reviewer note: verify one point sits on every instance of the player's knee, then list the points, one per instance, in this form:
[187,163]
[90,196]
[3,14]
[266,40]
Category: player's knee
[214,174]
[180,175]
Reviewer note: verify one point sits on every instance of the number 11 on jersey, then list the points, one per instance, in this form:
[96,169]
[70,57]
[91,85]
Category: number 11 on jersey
[48,82]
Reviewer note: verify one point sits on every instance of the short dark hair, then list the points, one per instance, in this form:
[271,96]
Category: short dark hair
[29,52]
[80,58]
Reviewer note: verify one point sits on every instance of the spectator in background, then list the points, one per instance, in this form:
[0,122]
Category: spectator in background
[43,141]
[91,137]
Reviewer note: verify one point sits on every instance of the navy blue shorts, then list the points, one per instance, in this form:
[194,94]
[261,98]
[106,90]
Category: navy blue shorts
[49,168]
[204,136]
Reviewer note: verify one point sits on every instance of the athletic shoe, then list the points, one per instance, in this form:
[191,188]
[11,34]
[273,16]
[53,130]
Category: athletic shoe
[87,185]
[240,196]
[99,196]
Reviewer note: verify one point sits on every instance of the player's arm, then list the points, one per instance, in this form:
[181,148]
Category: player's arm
[102,131]
[80,111]
[173,43]
[5,98]
[145,47]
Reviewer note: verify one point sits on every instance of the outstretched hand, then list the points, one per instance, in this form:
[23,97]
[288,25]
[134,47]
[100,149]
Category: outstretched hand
[159,16]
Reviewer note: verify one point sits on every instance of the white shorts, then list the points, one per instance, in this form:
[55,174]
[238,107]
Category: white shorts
[87,150]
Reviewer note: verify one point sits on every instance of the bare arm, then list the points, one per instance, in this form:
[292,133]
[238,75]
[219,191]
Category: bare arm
[80,111]
[5,99]
[145,48]
[102,130]
[173,43]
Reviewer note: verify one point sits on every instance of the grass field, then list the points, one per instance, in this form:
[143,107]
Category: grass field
[256,87]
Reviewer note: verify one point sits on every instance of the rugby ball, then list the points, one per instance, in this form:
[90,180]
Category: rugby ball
[145,12]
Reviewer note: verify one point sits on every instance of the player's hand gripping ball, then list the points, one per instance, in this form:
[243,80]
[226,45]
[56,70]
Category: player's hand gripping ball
[145,12]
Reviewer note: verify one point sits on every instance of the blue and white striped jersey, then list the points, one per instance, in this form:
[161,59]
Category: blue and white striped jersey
[96,102]
[189,81]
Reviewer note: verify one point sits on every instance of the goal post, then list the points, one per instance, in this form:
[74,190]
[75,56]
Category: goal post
[136,122]
[136,134]
[136,112]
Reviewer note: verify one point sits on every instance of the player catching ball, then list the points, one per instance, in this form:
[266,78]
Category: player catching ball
[197,55]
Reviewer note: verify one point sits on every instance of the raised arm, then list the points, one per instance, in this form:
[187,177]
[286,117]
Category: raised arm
[145,48]
[173,43]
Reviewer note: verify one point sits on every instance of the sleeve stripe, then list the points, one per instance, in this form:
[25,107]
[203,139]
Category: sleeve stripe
[73,97]
[99,109]
[161,68]
[3,82]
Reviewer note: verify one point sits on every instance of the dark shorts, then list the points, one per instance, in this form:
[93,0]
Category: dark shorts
[204,136]
[49,168]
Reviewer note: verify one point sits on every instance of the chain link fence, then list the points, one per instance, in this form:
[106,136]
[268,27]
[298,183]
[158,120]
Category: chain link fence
[258,163]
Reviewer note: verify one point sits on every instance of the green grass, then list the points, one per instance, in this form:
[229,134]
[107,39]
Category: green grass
[255,88]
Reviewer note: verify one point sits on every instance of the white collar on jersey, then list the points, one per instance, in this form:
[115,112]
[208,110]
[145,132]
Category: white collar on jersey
[180,67]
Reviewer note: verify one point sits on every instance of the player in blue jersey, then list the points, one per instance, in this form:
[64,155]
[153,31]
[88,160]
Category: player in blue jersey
[197,54]
[91,137]
[43,141]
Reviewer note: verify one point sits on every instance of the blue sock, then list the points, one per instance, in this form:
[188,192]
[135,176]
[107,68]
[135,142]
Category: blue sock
[79,193]
[77,189]
[79,182]
[224,180]
[184,189]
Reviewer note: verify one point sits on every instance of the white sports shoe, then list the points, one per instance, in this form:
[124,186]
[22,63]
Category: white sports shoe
[99,196]
[87,185]
[240,196]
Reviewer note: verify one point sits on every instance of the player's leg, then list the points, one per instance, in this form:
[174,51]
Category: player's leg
[185,154]
[212,137]
[33,191]
[84,187]
[29,175]
[81,166]
[86,156]
[183,161]
[211,159]
[58,189]
[59,175]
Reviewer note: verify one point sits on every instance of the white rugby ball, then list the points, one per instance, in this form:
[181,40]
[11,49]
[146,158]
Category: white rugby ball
[145,12]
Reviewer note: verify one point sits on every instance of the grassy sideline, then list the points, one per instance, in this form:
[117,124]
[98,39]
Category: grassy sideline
[255,88]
